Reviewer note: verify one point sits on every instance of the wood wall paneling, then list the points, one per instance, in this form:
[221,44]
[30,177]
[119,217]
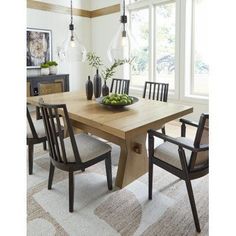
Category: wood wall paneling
[76,12]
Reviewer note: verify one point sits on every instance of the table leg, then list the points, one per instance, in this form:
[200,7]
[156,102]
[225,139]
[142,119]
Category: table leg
[133,161]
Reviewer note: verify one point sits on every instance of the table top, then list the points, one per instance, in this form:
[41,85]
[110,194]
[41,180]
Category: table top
[131,120]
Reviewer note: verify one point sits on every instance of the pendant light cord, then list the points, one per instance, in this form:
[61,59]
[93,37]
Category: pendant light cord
[71,13]
[123,7]
[124,16]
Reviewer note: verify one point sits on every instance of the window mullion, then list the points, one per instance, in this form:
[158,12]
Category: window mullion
[151,43]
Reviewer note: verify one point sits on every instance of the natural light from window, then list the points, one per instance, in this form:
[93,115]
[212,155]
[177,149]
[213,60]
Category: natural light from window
[165,44]
[140,31]
[200,73]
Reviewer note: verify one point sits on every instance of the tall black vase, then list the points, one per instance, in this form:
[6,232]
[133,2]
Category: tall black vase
[89,88]
[105,89]
[97,85]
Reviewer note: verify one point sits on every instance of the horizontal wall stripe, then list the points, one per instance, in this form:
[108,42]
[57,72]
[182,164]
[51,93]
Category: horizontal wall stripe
[76,12]
[105,11]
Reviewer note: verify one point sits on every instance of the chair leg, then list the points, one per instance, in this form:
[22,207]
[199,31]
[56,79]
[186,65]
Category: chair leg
[51,174]
[38,115]
[71,191]
[109,171]
[193,205]
[150,179]
[45,145]
[30,158]
[163,130]
[189,188]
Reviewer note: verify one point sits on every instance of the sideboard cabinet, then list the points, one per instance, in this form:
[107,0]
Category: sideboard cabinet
[33,82]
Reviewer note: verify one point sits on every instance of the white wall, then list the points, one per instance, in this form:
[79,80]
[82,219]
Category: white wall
[81,4]
[103,29]
[59,24]
[96,4]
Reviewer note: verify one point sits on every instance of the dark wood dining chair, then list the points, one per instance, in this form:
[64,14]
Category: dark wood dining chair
[156,91]
[185,158]
[35,134]
[120,86]
[76,152]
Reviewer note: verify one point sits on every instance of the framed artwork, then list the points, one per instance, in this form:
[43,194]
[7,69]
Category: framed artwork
[39,47]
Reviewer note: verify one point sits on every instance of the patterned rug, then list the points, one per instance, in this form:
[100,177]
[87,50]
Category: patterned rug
[98,211]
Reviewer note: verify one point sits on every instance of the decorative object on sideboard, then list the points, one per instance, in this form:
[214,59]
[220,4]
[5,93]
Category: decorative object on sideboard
[120,46]
[52,67]
[72,49]
[44,69]
[38,47]
[89,89]
[95,62]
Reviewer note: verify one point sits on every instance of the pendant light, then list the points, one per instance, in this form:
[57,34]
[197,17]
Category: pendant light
[72,49]
[120,45]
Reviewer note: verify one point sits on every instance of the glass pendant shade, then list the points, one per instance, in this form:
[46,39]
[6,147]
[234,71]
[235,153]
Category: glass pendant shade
[72,49]
[120,45]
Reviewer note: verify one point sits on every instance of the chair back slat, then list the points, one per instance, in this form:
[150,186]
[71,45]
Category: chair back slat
[61,136]
[201,138]
[31,125]
[144,91]
[150,91]
[120,86]
[156,91]
[48,133]
[55,134]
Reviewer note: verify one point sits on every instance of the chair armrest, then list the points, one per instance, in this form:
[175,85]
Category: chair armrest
[187,122]
[183,126]
[167,138]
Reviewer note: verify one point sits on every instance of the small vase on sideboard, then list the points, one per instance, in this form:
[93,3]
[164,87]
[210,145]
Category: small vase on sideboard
[53,70]
[44,71]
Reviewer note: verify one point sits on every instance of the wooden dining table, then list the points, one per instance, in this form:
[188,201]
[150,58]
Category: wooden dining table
[126,127]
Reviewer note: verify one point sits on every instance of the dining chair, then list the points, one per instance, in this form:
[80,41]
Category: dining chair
[156,91]
[185,158]
[48,88]
[76,152]
[35,134]
[120,86]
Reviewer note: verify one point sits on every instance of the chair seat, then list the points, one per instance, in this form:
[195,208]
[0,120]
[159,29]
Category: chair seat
[89,148]
[168,152]
[39,128]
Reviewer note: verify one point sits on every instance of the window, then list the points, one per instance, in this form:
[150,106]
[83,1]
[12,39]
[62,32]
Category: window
[200,66]
[140,31]
[165,44]
[169,51]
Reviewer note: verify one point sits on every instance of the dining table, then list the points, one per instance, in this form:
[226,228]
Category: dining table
[125,126]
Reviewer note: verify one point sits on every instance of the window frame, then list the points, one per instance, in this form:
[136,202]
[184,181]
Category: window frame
[183,67]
